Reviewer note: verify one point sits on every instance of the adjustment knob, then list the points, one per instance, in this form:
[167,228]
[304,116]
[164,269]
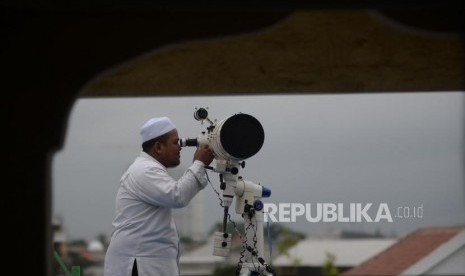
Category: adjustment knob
[258,205]
[234,170]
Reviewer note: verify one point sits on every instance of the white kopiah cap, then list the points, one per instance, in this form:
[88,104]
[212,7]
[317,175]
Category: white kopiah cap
[156,127]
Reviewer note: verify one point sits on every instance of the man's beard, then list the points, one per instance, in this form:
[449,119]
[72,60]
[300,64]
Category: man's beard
[175,163]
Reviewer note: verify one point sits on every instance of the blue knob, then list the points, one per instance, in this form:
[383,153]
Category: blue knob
[266,192]
[258,205]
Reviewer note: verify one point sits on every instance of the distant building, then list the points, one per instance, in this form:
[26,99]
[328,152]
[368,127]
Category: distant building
[97,250]
[190,220]
[200,261]
[308,256]
[59,236]
[430,251]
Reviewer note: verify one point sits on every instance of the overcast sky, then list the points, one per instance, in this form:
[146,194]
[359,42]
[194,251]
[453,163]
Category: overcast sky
[402,149]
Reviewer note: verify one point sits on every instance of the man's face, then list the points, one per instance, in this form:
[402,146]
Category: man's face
[170,155]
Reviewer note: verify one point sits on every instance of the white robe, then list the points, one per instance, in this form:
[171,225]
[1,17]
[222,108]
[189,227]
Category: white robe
[143,228]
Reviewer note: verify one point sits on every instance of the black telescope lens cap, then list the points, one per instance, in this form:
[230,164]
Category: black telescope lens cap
[242,136]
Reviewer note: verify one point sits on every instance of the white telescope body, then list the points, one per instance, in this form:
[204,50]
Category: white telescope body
[233,139]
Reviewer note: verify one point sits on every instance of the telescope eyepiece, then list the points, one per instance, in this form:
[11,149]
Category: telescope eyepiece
[201,114]
[188,142]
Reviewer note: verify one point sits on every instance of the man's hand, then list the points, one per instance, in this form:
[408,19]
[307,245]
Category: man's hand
[204,154]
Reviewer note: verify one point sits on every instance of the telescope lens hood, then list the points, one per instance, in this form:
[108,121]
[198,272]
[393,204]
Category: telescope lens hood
[242,136]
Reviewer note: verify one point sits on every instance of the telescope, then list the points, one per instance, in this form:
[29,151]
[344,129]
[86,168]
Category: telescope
[232,140]
[235,138]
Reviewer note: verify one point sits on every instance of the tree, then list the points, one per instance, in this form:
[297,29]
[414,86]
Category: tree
[328,268]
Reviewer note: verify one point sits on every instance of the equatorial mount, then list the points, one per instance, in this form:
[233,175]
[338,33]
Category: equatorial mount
[232,140]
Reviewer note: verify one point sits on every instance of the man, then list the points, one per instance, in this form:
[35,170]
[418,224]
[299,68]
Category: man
[144,239]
